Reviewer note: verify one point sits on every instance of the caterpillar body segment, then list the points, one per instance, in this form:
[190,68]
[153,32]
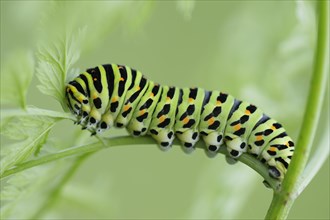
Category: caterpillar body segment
[239,128]
[163,118]
[135,91]
[115,95]
[142,116]
[188,117]
[216,111]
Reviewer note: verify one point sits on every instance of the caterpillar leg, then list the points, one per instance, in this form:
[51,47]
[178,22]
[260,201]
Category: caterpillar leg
[164,138]
[230,160]
[266,184]
[235,146]
[83,116]
[188,140]
[105,123]
[213,141]
[90,121]
[138,126]
[137,129]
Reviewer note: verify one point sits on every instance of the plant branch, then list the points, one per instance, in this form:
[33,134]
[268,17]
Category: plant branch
[285,197]
[128,140]
[318,158]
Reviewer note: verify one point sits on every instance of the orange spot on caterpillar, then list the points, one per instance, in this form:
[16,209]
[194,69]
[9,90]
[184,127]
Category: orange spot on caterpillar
[142,112]
[168,99]
[237,127]
[190,100]
[126,107]
[210,121]
[121,79]
[162,118]
[218,103]
[114,99]
[259,138]
[273,149]
[152,94]
[95,79]
[138,88]
[273,128]
[247,112]
[185,120]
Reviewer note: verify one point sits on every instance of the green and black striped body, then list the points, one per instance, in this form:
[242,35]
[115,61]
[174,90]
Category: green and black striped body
[116,95]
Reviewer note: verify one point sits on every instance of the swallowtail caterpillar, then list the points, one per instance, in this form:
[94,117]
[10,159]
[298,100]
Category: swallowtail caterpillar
[115,95]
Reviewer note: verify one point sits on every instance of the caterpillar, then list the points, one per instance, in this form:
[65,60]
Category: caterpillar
[116,95]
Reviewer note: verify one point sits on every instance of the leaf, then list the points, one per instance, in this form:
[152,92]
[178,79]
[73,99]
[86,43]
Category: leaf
[6,115]
[62,47]
[55,63]
[35,185]
[16,76]
[32,130]
[58,51]
[20,128]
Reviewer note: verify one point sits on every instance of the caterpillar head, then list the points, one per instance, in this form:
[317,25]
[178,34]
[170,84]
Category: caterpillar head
[77,101]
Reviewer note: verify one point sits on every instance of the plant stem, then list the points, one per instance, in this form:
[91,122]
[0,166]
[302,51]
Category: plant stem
[284,199]
[125,141]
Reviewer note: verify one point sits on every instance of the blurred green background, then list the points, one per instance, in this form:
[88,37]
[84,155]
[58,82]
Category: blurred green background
[257,51]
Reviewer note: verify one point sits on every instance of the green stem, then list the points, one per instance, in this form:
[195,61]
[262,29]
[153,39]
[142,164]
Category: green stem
[125,141]
[321,154]
[285,197]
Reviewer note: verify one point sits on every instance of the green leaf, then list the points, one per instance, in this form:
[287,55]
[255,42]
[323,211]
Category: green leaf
[16,75]
[32,111]
[35,185]
[20,128]
[55,64]
[32,130]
